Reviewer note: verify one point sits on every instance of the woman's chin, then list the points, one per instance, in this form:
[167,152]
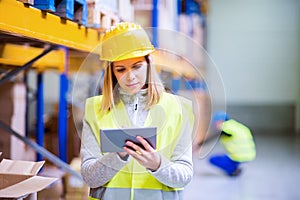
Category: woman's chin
[132,90]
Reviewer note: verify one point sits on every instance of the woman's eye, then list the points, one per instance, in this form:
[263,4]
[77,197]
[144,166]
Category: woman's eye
[120,70]
[137,66]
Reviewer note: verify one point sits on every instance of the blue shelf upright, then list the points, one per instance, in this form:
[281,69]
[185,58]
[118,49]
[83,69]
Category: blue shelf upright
[63,110]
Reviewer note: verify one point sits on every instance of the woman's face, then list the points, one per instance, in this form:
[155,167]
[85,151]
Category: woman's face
[131,74]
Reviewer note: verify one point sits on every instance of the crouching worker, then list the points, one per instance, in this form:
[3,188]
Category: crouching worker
[238,142]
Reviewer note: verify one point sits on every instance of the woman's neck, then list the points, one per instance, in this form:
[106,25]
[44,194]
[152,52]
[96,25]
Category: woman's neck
[126,97]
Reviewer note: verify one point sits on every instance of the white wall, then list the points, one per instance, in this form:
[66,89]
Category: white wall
[256,47]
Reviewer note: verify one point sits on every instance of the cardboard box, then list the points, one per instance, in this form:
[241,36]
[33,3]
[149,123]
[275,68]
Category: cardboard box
[55,191]
[18,179]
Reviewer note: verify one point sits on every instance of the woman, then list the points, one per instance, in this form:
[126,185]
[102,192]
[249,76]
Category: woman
[134,96]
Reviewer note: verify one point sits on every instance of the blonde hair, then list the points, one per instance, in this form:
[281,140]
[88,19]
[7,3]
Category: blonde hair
[153,83]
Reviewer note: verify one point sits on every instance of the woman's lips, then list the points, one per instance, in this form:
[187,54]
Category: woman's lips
[132,85]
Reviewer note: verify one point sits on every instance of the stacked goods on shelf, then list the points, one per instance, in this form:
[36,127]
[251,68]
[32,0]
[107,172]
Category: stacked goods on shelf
[126,10]
[52,138]
[202,115]
[29,2]
[12,113]
[91,13]
[75,10]
[103,14]
[6,112]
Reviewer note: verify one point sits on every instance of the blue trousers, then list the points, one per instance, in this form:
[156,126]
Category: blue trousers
[225,163]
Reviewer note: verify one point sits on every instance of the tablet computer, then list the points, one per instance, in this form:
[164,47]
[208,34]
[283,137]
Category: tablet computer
[113,140]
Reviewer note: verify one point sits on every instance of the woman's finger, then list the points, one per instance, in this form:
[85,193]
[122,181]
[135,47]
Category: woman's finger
[146,145]
[135,148]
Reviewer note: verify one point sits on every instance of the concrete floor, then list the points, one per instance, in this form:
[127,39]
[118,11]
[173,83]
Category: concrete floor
[274,174]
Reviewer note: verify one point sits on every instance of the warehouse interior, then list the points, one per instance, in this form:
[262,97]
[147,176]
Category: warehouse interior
[239,56]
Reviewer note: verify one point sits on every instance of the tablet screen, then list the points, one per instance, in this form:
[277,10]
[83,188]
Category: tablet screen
[113,140]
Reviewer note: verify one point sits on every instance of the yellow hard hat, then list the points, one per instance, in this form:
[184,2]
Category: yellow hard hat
[123,41]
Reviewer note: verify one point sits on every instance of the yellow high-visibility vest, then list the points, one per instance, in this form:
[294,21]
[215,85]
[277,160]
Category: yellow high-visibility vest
[170,116]
[239,144]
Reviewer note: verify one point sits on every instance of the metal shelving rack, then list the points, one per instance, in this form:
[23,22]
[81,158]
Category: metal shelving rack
[37,33]
[45,27]
[46,41]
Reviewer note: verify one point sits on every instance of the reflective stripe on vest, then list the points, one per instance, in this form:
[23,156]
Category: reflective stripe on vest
[170,116]
[239,145]
[139,194]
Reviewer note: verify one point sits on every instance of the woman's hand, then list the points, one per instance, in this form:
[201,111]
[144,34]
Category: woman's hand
[146,156]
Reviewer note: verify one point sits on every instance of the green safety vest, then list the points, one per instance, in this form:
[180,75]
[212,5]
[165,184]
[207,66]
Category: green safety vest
[239,144]
[133,181]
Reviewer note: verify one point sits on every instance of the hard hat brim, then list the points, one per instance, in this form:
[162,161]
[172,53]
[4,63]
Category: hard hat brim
[135,54]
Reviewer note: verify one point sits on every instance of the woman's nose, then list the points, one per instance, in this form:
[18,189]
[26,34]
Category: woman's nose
[130,75]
